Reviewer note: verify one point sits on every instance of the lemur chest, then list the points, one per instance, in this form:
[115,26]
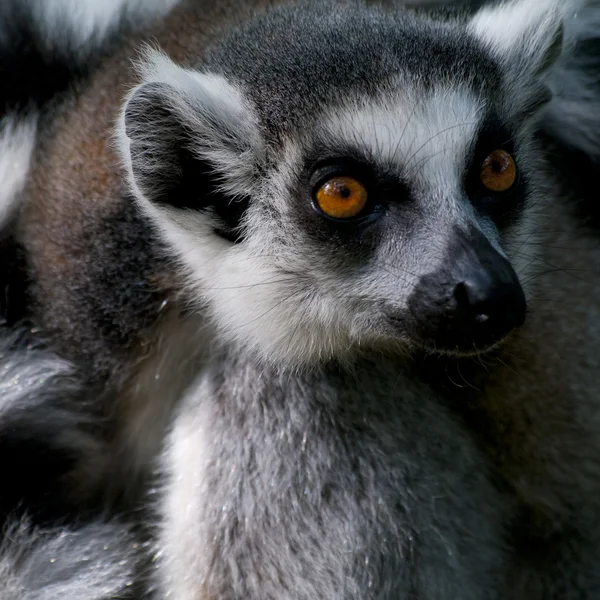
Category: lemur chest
[292,498]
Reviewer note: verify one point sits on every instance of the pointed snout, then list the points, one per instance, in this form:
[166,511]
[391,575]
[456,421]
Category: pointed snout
[472,301]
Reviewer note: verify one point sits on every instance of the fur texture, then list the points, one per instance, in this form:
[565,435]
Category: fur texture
[46,429]
[283,313]
[46,46]
[17,141]
[45,432]
[572,115]
[326,445]
[325,486]
[93,562]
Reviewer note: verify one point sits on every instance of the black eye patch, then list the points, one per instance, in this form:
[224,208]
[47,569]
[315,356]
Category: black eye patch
[494,181]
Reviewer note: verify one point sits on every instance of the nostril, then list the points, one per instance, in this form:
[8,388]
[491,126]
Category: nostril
[468,295]
[489,303]
[476,299]
[461,295]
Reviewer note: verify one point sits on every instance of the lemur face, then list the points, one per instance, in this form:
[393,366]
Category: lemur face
[393,212]
[367,193]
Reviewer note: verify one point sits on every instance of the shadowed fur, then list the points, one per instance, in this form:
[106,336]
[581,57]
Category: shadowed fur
[46,432]
[46,428]
[573,113]
[45,47]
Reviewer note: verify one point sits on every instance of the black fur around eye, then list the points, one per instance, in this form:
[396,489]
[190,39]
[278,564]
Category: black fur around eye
[493,181]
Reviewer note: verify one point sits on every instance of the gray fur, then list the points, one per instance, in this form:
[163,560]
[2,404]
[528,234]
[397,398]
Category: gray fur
[333,485]
[44,432]
[397,120]
[573,114]
[274,452]
[272,456]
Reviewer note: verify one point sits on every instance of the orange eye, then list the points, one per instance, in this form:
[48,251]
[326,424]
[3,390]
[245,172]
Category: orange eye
[342,197]
[499,171]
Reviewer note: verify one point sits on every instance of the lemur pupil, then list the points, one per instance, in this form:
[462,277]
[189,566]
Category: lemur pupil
[345,193]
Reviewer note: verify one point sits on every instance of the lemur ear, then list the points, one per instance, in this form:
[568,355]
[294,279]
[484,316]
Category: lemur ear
[525,35]
[189,140]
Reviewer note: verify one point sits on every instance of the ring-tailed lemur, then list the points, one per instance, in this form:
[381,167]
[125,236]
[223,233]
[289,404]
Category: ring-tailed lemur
[322,213]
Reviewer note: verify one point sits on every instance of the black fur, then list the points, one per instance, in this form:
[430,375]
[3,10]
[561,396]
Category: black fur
[14,296]
[33,69]
[579,172]
[45,430]
[163,158]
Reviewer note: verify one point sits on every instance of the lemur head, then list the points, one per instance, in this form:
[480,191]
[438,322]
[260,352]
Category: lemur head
[338,177]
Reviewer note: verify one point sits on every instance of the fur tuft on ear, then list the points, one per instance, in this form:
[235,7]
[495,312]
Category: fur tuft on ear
[189,140]
[525,35]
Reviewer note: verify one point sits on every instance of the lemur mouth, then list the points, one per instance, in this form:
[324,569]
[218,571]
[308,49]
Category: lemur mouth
[462,333]
[469,346]
[467,334]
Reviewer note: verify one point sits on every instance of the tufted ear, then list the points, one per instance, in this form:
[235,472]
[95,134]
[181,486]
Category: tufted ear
[190,141]
[526,36]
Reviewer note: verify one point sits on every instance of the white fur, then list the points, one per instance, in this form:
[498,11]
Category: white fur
[210,105]
[428,137]
[211,92]
[264,293]
[261,296]
[260,293]
[524,36]
[17,142]
[216,269]
[251,298]
[84,22]
[95,562]
[521,26]
[182,559]
[41,398]
[28,374]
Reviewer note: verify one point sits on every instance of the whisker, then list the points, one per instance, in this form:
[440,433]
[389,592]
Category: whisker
[433,137]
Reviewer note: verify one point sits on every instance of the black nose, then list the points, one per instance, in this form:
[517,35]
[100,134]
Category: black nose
[472,302]
[486,302]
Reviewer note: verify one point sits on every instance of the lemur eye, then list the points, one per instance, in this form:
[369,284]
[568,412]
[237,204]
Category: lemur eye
[342,197]
[499,171]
